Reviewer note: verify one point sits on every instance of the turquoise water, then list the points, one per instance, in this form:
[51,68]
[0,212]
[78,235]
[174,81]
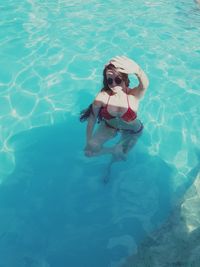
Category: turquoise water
[54,209]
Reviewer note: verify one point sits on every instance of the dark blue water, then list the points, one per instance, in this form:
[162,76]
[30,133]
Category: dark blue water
[55,212]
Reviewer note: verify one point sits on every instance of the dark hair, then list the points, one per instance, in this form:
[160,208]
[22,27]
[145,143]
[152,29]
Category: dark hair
[84,115]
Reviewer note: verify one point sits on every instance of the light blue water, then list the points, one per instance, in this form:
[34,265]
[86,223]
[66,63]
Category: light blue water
[54,209]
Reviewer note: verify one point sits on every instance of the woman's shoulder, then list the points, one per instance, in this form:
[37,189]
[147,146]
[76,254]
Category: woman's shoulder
[102,96]
[132,92]
[129,91]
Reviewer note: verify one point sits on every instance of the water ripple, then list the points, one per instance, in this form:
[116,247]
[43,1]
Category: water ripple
[50,48]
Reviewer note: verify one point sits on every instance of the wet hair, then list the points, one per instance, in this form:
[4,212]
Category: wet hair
[84,114]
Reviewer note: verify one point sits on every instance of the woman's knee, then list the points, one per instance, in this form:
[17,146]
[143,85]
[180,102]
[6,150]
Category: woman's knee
[94,145]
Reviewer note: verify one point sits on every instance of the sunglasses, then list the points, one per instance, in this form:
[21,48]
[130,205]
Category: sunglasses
[117,80]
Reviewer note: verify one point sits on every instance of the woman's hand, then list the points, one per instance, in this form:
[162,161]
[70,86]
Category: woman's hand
[88,151]
[125,65]
[91,148]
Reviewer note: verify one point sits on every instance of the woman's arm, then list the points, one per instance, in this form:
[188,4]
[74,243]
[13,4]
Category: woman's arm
[129,66]
[92,121]
[96,106]
[140,90]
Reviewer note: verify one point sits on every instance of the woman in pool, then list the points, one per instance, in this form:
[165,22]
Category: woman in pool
[115,108]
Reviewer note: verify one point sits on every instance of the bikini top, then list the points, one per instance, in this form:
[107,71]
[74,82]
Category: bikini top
[129,115]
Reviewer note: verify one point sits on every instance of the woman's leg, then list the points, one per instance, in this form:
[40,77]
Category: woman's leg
[102,134]
[128,140]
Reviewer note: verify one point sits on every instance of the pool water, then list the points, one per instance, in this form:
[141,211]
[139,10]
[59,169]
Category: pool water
[54,208]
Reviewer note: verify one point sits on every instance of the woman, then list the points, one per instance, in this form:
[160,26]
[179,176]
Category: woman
[115,108]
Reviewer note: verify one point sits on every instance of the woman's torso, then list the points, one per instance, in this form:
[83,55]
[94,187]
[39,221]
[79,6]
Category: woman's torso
[120,110]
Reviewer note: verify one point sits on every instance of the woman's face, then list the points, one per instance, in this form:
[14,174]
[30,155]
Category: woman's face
[115,81]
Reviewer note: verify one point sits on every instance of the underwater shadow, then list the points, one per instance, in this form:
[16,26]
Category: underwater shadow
[176,242]
[55,210]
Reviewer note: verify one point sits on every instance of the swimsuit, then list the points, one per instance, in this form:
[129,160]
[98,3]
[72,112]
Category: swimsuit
[128,116]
